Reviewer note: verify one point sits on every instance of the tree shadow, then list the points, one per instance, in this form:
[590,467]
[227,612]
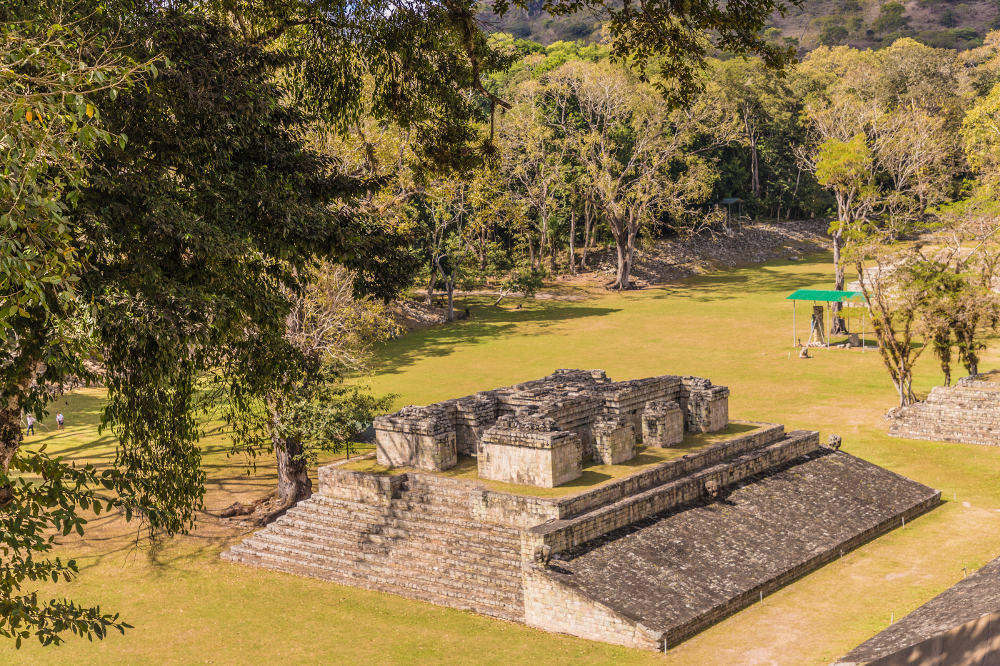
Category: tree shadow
[733,285]
[485,322]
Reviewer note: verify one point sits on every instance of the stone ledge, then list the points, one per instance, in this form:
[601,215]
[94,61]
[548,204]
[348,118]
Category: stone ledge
[560,535]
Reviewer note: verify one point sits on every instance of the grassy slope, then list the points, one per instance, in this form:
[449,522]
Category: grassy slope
[188,606]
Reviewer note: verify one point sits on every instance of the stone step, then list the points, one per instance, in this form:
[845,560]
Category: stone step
[506,611]
[408,562]
[388,534]
[411,519]
[438,583]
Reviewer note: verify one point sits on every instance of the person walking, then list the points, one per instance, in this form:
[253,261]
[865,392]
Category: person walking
[31,425]
[59,421]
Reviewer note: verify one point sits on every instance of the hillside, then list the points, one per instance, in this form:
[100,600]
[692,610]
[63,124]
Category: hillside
[860,23]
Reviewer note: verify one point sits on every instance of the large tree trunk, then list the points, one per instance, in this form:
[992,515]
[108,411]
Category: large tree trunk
[10,441]
[572,242]
[838,280]
[625,248]
[624,269]
[293,473]
[587,221]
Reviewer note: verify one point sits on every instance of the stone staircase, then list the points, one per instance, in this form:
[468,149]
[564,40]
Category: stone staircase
[968,412]
[424,544]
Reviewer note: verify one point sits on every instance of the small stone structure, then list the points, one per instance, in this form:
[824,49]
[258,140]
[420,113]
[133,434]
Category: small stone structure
[614,440]
[645,559]
[662,423]
[502,426]
[959,626]
[530,451]
[968,412]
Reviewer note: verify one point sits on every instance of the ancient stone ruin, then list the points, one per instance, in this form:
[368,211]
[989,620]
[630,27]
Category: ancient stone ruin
[968,412]
[481,503]
[539,433]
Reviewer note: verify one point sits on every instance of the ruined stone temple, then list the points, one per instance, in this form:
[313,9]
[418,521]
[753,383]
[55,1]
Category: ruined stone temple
[630,512]
[968,412]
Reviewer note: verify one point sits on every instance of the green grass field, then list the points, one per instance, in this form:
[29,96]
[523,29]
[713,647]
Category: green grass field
[188,606]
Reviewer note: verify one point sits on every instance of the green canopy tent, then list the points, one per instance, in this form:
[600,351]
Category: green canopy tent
[827,296]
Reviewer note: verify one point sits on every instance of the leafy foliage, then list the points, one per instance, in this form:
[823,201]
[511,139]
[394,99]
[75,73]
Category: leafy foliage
[43,497]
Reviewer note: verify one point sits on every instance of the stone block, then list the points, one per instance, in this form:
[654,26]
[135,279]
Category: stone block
[529,450]
[420,437]
[706,406]
[614,440]
[662,423]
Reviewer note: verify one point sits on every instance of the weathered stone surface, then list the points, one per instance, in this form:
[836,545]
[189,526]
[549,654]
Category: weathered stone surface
[968,412]
[706,406]
[529,450]
[643,560]
[681,571]
[576,400]
[614,440]
[421,437]
[663,423]
[970,599]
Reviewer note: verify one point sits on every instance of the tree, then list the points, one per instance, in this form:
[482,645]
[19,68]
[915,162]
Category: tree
[846,168]
[54,65]
[313,410]
[637,156]
[895,298]
[891,18]
[882,135]
[194,231]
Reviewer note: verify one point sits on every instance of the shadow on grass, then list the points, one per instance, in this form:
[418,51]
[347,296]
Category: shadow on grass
[732,285]
[486,322]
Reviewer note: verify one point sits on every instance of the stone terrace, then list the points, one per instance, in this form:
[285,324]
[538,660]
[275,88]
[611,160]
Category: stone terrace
[678,572]
[944,620]
[968,412]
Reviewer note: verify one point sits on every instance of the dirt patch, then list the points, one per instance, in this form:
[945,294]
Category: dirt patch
[414,315]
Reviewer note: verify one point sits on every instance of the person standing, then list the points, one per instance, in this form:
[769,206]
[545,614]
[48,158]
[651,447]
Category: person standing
[59,421]
[31,425]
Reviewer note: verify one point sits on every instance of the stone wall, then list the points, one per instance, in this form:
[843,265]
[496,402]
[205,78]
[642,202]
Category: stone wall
[359,487]
[529,451]
[564,534]
[968,412]
[422,437]
[669,471]
[706,406]
[558,607]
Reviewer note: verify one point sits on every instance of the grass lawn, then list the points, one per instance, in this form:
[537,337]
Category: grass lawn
[733,327]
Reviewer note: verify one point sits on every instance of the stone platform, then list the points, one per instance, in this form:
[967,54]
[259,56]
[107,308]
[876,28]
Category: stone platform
[643,560]
[959,626]
[677,572]
[968,412]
